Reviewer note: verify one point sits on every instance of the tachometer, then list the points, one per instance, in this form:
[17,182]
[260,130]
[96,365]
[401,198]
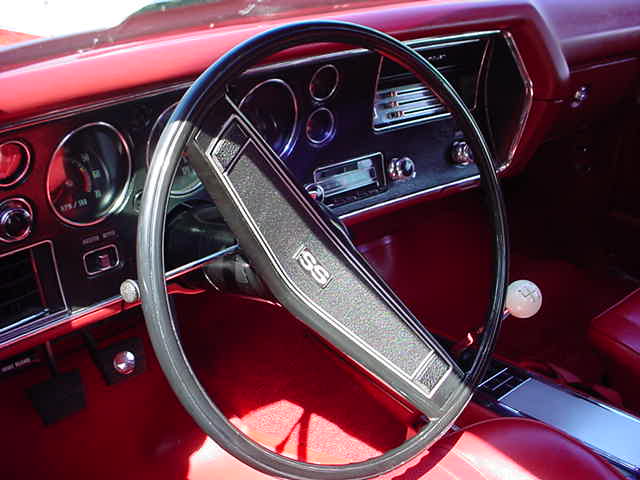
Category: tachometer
[186,180]
[89,174]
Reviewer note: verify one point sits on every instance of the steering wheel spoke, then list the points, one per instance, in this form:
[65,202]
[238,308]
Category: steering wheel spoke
[314,272]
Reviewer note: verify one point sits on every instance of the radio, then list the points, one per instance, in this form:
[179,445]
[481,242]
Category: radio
[349,181]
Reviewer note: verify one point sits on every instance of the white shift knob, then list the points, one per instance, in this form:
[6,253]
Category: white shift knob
[524,299]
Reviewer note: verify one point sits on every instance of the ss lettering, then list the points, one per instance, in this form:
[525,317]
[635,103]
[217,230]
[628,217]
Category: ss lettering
[310,264]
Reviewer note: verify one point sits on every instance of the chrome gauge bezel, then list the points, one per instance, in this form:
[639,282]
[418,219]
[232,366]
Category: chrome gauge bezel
[24,147]
[119,202]
[27,206]
[330,133]
[176,193]
[333,88]
[288,146]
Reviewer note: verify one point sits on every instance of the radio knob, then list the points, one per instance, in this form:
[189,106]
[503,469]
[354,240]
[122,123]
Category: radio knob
[401,169]
[16,220]
[461,153]
[315,191]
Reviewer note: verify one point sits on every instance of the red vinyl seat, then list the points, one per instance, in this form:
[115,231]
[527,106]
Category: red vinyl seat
[616,335]
[496,449]
[506,448]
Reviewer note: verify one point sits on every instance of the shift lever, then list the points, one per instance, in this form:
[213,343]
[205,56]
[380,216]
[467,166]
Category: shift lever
[523,300]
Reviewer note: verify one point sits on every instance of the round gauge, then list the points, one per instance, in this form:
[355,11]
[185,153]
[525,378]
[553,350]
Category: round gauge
[14,162]
[324,83]
[89,174]
[320,126]
[272,108]
[186,180]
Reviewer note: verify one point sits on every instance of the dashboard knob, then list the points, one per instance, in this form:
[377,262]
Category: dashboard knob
[16,220]
[315,191]
[461,153]
[130,291]
[401,169]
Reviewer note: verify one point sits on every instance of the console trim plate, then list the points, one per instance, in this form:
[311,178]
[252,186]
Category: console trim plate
[605,429]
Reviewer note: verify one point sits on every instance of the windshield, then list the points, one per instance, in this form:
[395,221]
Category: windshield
[50,18]
[110,21]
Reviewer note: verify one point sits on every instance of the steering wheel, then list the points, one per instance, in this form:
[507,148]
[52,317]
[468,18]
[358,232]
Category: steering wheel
[304,257]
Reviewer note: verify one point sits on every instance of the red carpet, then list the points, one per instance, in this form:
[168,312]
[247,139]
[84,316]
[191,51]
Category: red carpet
[263,367]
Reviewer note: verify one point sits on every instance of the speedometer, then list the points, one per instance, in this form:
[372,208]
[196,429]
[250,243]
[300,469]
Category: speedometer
[89,174]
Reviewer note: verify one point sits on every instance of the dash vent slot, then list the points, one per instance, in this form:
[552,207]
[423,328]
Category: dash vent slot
[31,294]
[402,100]
[21,297]
[403,103]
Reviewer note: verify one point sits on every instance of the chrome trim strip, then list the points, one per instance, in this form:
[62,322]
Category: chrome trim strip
[60,113]
[514,388]
[120,200]
[334,87]
[24,321]
[189,267]
[492,377]
[427,191]
[23,145]
[450,40]
[66,316]
[524,116]
[288,146]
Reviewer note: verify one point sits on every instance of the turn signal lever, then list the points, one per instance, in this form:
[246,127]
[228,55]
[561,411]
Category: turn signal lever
[523,300]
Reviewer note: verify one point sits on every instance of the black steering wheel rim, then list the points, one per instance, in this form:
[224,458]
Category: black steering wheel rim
[205,92]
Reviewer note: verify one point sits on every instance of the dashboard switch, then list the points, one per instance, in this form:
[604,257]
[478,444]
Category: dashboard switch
[461,154]
[101,259]
[401,169]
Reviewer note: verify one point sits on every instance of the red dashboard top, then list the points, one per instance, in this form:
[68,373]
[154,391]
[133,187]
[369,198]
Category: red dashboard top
[551,35]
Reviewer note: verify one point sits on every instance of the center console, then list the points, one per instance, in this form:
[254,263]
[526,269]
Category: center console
[612,433]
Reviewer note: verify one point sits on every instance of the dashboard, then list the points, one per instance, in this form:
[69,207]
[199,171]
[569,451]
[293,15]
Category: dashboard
[359,133]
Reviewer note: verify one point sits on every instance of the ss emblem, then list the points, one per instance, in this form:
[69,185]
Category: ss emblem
[310,264]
